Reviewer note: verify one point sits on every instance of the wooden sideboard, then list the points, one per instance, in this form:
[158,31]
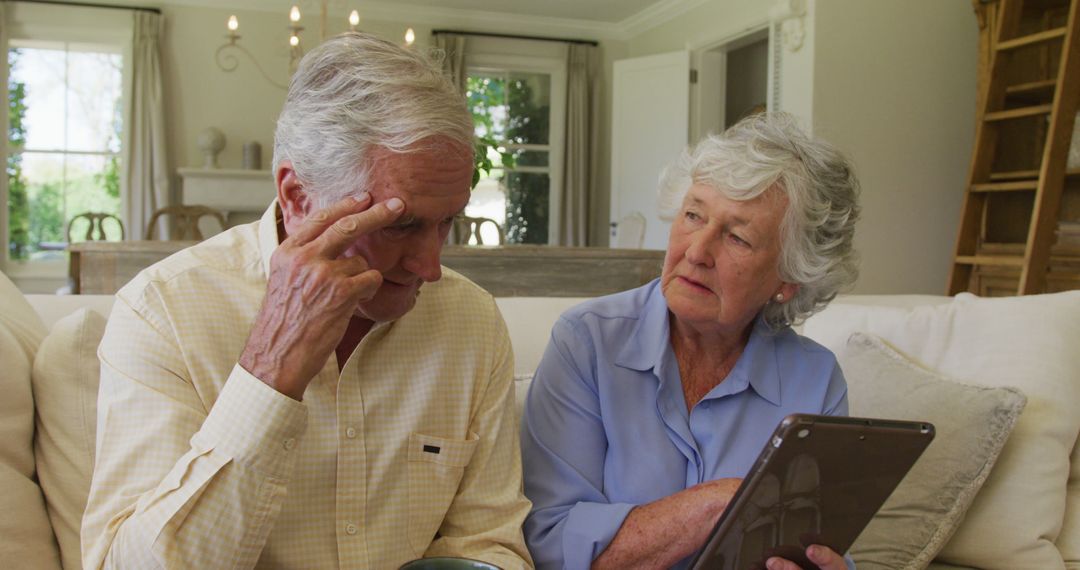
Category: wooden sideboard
[505,271]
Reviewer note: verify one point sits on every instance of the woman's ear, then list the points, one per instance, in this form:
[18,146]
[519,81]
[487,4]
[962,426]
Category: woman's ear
[788,290]
[294,202]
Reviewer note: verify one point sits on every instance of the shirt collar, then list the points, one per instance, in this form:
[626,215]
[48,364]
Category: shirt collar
[268,234]
[756,366]
[650,341]
[650,338]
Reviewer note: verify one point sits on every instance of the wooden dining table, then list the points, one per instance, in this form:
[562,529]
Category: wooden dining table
[98,267]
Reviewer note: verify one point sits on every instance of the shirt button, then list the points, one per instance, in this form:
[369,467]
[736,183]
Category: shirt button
[350,432]
[288,444]
[350,528]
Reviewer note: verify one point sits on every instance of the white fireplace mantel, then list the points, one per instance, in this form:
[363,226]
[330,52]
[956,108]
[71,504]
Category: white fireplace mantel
[241,195]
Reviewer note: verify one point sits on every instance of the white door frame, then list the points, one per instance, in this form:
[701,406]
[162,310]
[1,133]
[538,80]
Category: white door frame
[709,58]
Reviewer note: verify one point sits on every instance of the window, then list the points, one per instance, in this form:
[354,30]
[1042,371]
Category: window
[65,109]
[519,103]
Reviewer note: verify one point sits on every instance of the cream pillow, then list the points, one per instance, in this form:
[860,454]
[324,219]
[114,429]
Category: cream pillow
[972,424]
[26,539]
[66,374]
[1028,342]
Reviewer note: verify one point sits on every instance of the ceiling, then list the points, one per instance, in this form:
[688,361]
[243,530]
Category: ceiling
[613,19]
[609,11]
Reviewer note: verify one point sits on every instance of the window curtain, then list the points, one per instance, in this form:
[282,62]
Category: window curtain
[452,47]
[144,155]
[4,220]
[581,168]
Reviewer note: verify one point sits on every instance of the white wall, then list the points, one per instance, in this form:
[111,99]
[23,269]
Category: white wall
[892,84]
[894,87]
[718,21]
[245,107]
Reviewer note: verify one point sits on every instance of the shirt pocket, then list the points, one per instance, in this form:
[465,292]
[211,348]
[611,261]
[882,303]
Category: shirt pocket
[436,465]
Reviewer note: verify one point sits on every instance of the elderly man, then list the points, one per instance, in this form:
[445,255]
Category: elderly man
[282,395]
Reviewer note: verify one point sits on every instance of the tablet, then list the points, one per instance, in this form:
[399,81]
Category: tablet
[819,480]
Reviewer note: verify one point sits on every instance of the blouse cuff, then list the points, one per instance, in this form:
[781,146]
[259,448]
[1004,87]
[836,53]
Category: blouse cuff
[589,529]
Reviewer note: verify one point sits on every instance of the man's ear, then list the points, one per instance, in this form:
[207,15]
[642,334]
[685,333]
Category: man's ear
[294,202]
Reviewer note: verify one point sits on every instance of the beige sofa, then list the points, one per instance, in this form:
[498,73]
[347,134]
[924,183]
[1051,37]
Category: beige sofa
[975,504]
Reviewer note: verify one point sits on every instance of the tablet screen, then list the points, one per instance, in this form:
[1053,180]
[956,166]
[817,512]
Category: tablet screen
[818,480]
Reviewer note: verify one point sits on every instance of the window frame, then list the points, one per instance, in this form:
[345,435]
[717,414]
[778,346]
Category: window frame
[108,29]
[556,69]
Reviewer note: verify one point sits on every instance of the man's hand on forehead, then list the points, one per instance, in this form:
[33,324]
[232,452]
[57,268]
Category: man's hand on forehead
[312,292]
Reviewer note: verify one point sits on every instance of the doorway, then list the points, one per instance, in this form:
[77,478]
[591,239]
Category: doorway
[733,81]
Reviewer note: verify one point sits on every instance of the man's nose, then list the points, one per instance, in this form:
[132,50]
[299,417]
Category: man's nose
[424,258]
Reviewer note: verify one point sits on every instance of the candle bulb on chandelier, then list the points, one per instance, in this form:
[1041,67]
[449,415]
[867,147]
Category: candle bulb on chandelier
[410,37]
[294,14]
[294,40]
[233,24]
[354,19]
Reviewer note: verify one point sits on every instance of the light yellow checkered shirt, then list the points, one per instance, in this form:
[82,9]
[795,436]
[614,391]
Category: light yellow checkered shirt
[201,465]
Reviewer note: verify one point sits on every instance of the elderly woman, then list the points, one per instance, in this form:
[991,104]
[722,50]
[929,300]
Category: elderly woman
[650,405]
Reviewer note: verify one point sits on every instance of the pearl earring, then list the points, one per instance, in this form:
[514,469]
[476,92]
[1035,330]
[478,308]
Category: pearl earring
[779,297]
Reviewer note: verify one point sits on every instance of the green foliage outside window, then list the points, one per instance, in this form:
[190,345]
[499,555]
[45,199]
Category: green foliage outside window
[64,185]
[18,205]
[505,111]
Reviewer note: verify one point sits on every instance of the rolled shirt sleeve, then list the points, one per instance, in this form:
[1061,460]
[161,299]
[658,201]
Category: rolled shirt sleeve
[171,480]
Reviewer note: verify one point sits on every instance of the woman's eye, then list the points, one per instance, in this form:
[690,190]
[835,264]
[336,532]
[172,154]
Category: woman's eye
[692,216]
[738,240]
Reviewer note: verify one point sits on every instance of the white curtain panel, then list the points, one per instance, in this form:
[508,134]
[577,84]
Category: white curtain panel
[452,47]
[582,130]
[4,229]
[144,156]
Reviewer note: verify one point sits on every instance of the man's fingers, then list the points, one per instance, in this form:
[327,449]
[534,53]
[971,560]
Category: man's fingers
[343,232]
[367,283]
[317,222]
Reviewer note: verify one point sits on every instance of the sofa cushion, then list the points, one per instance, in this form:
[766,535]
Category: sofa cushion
[529,321]
[65,384]
[1027,342]
[26,539]
[972,424]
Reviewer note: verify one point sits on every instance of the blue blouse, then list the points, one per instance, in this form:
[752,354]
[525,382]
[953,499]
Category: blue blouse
[606,426]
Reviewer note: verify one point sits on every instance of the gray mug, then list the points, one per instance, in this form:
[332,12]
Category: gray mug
[447,563]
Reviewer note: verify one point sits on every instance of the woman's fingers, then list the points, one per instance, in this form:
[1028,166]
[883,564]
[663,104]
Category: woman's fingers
[823,556]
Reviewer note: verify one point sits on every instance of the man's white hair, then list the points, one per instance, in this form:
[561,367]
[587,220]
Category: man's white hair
[354,93]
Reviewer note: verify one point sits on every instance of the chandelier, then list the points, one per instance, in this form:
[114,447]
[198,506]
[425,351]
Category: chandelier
[227,61]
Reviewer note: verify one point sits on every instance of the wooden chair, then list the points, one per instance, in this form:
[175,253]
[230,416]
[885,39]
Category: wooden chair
[95,230]
[630,231]
[185,221]
[467,227]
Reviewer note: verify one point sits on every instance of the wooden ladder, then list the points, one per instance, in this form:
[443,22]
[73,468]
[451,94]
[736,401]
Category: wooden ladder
[1046,182]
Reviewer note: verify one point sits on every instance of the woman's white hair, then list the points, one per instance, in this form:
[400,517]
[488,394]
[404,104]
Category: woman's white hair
[764,152]
[355,92]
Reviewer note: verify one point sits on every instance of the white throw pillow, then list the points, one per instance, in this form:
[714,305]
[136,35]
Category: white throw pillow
[972,425]
[26,539]
[66,374]
[1030,501]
